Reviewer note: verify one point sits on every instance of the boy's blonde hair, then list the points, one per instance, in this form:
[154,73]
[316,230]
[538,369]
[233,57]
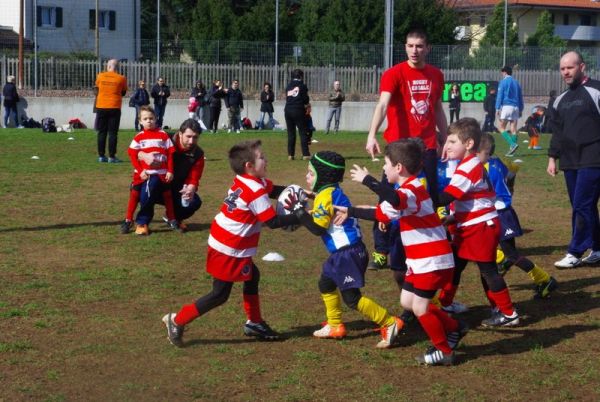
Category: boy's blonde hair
[466,129]
[241,153]
[146,108]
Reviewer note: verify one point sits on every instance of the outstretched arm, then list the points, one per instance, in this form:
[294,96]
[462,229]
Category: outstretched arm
[372,146]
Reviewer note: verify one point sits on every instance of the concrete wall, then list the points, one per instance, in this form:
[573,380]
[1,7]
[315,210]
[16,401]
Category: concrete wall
[356,116]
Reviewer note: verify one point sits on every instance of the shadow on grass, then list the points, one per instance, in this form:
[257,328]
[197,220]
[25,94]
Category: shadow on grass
[543,250]
[192,227]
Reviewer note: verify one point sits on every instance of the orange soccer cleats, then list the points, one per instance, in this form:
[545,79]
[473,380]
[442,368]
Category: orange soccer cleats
[331,332]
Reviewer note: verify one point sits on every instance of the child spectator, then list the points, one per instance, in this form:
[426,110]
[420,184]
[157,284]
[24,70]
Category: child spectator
[140,98]
[149,182]
[233,241]
[533,125]
[345,268]
[310,127]
[509,221]
[428,253]
[477,225]
[192,106]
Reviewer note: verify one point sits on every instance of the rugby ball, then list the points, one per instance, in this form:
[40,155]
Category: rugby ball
[281,201]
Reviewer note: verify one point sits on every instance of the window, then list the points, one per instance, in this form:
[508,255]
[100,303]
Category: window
[565,19]
[585,20]
[49,17]
[107,19]
[482,20]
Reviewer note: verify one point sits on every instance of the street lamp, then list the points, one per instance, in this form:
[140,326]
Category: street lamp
[157,38]
[505,28]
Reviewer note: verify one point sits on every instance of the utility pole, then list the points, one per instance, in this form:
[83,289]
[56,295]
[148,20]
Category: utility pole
[276,66]
[97,35]
[505,28]
[21,67]
[157,38]
[388,43]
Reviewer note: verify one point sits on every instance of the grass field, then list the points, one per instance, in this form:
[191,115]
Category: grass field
[81,304]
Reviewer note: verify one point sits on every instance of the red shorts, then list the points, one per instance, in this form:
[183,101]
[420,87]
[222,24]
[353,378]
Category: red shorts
[433,280]
[478,242]
[228,268]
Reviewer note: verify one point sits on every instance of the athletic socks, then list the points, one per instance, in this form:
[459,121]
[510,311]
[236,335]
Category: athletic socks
[449,323]
[446,295]
[538,275]
[508,137]
[502,300]
[187,314]
[434,329]
[169,209]
[134,198]
[333,308]
[374,312]
[252,307]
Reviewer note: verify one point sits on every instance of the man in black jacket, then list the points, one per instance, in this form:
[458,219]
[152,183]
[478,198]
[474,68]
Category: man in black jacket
[576,143]
[160,92]
[234,102]
[489,106]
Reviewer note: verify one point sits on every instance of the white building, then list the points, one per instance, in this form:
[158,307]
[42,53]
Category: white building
[66,26]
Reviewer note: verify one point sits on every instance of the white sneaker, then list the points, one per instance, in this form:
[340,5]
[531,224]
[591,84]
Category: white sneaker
[229,131]
[237,131]
[569,261]
[456,308]
[592,258]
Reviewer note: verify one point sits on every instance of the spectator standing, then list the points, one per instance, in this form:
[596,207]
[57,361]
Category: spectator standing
[336,97]
[11,98]
[266,106]
[454,104]
[160,93]
[234,102]
[215,94]
[296,105]
[411,98]
[140,98]
[489,106]
[199,92]
[509,107]
[109,89]
[575,142]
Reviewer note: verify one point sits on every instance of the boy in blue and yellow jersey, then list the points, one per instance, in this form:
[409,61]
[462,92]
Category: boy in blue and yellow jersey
[509,221]
[345,268]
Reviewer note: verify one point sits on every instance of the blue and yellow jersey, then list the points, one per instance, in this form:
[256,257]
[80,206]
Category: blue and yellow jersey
[337,236]
[498,172]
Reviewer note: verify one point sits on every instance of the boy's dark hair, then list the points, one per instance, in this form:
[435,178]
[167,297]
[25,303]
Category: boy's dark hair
[192,125]
[241,153]
[329,167]
[487,140]
[418,33]
[298,74]
[507,70]
[408,152]
[465,129]
[146,108]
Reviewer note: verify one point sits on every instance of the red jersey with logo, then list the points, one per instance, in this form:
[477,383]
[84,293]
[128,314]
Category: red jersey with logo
[236,228]
[411,110]
[474,193]
[423,235]
[154,141]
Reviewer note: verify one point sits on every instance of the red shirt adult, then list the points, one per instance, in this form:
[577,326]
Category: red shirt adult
[415,93]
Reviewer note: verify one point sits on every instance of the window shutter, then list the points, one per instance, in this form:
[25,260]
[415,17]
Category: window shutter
[92,19]
[59,19]
[112,20]
[38,11]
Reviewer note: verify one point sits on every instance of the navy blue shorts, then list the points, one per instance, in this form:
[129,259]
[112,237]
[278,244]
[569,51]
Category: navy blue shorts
[509,224]
[346,267]
[397,257]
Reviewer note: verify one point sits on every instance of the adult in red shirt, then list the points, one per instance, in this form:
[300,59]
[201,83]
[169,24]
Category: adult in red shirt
[411,99]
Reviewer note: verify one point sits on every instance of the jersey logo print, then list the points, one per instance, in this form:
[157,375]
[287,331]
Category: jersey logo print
[231,199]
[348,279]
[320,212]
[508,232]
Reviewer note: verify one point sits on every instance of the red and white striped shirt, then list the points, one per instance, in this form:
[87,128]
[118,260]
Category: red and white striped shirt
[474,194]
[236,228]
[155,142]
[423,236]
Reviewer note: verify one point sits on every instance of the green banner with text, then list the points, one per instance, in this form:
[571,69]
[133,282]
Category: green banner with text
[470,91]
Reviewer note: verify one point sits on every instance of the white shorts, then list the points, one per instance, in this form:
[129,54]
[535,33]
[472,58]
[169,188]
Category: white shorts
[510,113]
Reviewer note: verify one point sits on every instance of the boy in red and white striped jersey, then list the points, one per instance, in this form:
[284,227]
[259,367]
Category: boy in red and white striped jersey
[149,182]
[428,254]
[233,241]
[477,226]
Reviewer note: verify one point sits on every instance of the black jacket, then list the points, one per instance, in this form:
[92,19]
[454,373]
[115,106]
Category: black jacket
[575,125]
[9,92]
[489,104]
[141,97]
[296,95]
[160,99]
[266,101]
[199,94]
[454,102]
[214,97]
[234,98]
